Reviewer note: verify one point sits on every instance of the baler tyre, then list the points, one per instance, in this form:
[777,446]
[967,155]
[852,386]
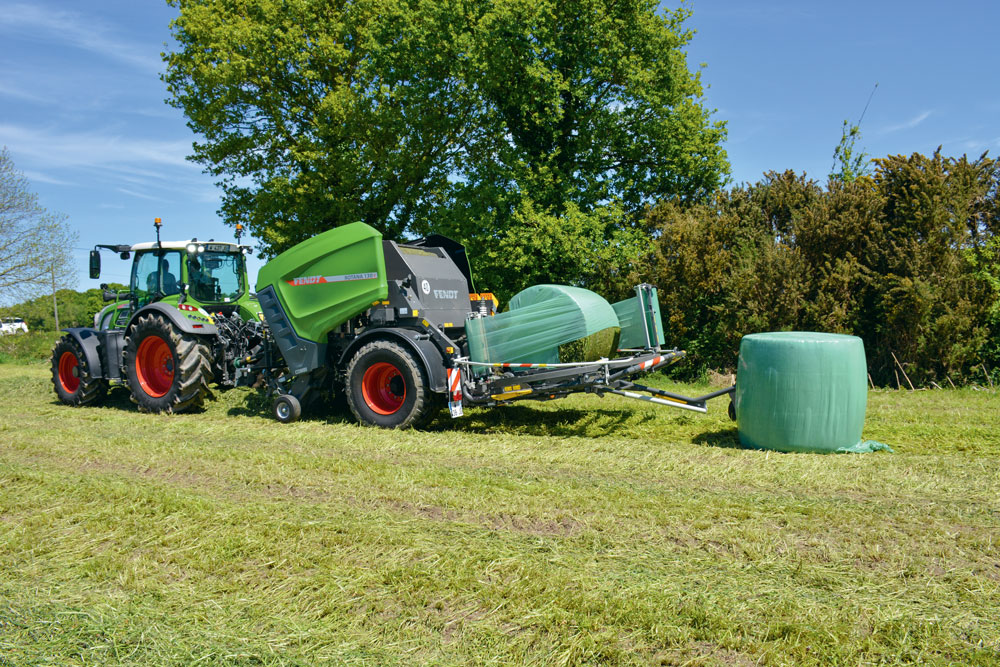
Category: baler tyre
[387,386]
[286,409]
[167,370]
[732,411]
[71,376]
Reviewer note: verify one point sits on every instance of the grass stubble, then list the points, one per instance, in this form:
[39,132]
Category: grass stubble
[584,531]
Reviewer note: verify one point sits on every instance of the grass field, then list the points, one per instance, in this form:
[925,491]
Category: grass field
[590,531]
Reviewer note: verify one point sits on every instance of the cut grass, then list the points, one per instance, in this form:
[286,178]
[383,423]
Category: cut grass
[581,531]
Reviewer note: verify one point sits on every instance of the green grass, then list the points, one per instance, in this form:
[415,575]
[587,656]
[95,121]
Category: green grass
[586,531]
[31,347]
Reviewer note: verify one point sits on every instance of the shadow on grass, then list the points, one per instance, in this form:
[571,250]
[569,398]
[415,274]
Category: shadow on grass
[117,398]
[523,420]
[727,438]
[509,419]
[321,409]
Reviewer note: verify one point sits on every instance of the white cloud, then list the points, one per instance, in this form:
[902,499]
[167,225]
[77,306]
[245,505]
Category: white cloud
[908,125]
[40,177]
[140,195]
[21,94]
[95,149]
[979,145]
[75,29]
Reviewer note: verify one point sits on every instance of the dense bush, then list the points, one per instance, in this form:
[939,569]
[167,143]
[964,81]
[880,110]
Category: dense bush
[76,309]
[907,258]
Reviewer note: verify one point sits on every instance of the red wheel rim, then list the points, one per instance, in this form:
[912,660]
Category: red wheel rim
[69,372]
[383,388]
[154,366]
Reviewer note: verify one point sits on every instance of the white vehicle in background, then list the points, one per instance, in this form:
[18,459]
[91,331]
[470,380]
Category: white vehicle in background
[12,325]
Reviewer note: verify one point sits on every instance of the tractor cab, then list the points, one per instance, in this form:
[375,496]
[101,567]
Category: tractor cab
[204,274]
[190,275]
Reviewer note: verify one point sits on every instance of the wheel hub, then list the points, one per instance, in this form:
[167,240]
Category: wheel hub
[154,366]
[383,388]
[69,372]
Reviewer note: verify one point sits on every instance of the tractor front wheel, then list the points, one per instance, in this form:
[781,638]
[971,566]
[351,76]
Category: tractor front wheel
[167,370]
[387,386]
[71,376]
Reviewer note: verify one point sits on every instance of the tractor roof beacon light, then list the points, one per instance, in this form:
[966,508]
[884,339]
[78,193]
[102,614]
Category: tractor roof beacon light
[158,223]
[239,232]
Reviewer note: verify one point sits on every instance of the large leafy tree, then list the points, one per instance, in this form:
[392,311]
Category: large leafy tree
[445,115]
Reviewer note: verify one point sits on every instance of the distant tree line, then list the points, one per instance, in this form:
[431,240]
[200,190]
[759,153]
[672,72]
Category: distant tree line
[76,309]
[907,258]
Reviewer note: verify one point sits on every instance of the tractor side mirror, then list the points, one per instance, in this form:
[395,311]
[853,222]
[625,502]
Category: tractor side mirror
[95,264]
[125,255]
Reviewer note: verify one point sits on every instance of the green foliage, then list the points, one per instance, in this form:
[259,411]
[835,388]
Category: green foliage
[596,250]
[906,259]
[28,348]
[849,162]
[76,309]
[464,118]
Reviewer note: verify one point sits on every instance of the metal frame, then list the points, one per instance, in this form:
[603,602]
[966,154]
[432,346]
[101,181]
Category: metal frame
[551,381]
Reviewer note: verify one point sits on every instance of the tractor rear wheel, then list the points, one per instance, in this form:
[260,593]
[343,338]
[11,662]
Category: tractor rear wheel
[71,376]
[387,386]
[167,370]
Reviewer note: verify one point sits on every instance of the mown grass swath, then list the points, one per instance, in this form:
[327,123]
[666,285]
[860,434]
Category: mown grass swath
[583,531]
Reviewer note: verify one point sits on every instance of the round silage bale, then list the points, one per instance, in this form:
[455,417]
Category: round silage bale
[801,391]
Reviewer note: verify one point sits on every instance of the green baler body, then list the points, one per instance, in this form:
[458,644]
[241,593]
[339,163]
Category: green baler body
[328,279]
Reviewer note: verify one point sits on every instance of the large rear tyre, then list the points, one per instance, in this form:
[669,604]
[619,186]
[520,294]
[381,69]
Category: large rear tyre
[71,376]
[167,370]
[387,386]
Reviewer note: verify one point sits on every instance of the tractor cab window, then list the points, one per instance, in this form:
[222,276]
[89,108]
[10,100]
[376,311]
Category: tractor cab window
[156,274]
[215,277]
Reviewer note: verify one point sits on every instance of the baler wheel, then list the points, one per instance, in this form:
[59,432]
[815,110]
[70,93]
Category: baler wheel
[286,409]
[387,386]
[71,377]
[167,370]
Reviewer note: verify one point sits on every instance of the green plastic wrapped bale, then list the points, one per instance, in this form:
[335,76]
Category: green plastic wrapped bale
[636,319]
[539,320]
[802,392]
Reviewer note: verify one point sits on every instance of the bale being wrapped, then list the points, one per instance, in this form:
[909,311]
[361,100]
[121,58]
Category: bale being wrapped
[546,324]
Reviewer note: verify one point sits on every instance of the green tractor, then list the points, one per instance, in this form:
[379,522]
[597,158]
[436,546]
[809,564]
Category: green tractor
[187,316]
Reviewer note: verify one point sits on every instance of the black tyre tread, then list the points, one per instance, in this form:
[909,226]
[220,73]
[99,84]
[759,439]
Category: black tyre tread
[294,408]
[91,389]
[423,408]
[194,367]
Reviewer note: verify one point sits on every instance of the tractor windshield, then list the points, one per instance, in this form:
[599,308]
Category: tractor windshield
[216,277]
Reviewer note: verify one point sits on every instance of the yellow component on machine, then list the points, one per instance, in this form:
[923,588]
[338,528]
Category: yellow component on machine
[507,395]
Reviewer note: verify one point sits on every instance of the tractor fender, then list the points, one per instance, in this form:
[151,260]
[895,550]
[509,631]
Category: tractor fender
[90,344]
[178,319]
[428,353]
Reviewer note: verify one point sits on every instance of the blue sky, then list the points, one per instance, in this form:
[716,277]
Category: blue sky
[83,112]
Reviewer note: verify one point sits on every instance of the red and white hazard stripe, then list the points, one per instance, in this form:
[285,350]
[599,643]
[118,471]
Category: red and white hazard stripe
[652,362]
[455,383]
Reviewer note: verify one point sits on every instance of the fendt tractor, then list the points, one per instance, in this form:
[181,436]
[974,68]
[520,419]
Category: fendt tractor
[387,325]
